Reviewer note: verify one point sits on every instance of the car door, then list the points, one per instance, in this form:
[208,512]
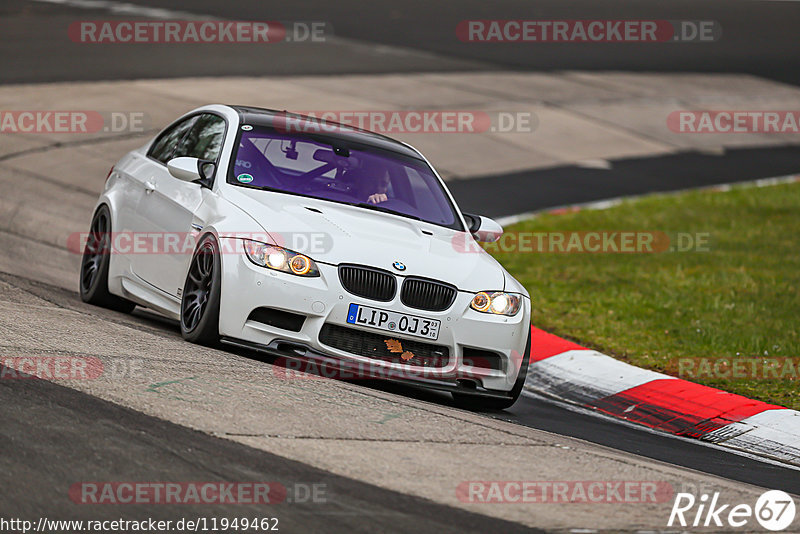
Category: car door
[143,176]
[171,210]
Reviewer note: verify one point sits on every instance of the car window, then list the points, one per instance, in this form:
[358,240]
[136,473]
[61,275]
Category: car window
[355,174]
[204,140]
[165,145]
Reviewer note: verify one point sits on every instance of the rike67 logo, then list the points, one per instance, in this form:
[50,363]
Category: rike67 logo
[774,510]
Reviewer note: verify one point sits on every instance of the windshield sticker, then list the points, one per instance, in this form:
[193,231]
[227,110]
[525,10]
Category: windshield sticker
[245,178]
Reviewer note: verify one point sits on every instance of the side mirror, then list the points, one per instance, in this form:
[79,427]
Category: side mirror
[483,229]
[192,170]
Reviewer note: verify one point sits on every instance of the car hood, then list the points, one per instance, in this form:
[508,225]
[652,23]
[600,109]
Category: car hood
[338,233]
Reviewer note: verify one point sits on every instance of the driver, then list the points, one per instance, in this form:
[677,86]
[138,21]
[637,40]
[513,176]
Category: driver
[376,187]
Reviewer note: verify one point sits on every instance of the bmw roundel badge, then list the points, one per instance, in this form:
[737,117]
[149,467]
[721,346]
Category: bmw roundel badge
[399,266]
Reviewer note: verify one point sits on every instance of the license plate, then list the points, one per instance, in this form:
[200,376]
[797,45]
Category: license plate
[390,321]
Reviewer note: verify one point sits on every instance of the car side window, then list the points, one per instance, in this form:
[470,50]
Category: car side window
[165,145]
[204,140]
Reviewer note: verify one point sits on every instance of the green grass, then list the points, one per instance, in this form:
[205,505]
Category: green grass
[740,299]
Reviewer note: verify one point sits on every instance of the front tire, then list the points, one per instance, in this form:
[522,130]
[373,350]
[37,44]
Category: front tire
[201,295]
[95,263]
[477,402]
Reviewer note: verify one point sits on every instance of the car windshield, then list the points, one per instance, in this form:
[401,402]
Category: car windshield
[327,169]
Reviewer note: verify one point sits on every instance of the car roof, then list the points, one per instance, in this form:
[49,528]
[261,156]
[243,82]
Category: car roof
[346,133]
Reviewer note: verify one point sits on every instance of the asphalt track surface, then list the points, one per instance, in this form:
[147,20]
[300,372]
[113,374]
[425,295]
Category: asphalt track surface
[554,187]
[128,445]
[757,37]
[112,441]
[108,442]
[545,415]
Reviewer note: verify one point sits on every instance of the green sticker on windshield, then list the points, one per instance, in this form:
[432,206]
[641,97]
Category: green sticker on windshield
[245,178]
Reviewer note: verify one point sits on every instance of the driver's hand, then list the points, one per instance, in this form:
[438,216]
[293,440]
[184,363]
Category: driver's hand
[377,198]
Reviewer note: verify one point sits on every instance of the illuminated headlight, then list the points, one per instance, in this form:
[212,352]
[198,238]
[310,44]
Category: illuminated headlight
[498,303]
[279,258]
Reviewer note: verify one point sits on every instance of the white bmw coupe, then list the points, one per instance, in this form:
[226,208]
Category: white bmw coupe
[314,242]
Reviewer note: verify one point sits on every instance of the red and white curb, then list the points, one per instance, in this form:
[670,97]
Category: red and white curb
[570,373]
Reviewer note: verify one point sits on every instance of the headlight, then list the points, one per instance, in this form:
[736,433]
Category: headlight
[279,258]
[498,303]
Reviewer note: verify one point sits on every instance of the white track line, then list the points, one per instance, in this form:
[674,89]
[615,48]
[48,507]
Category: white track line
[124,8]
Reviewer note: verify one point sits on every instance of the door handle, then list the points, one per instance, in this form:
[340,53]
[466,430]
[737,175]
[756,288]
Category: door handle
[149,187]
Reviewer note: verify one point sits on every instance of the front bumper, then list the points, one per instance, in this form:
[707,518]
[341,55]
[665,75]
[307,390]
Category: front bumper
[331,367]
[322,300]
